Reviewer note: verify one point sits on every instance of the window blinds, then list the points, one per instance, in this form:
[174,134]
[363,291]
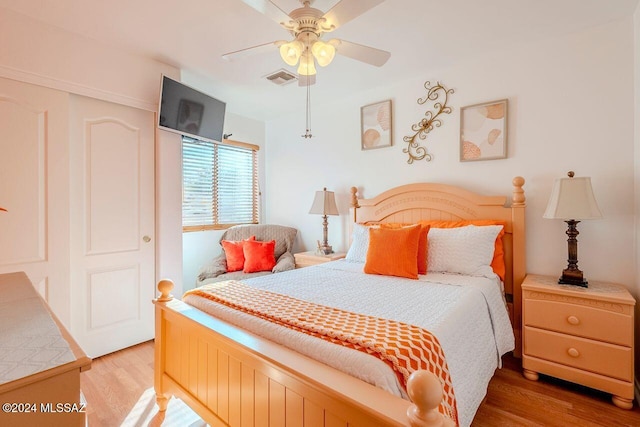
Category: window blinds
[220,185]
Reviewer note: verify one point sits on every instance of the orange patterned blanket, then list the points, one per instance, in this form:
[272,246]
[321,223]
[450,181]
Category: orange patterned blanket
[405,348]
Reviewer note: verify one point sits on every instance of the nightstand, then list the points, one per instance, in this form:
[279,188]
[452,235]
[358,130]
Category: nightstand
[307,259]
[582,335]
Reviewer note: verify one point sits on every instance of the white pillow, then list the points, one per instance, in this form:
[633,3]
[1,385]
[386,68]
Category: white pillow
[464,250]
[359,244]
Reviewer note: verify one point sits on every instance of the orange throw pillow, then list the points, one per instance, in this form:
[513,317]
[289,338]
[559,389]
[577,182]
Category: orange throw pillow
[497,264]
[393,251]
[234,254]
[259,256]
[422,243]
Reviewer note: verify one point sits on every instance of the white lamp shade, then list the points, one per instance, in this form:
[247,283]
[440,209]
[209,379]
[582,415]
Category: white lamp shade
[291,52]
[572,198]
[323,52]
[324,203]
[307,66]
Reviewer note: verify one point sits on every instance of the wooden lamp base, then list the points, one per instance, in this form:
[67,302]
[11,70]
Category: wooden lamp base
[572,275]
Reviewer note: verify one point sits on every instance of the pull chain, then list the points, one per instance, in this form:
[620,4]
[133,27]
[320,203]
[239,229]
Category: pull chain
[308,134]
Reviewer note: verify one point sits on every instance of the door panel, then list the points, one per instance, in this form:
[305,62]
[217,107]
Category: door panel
[112,224]
[22,173]
[124,282]
[113,187]
[34,188]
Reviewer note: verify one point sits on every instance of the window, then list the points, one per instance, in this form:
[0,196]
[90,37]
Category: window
[219,184]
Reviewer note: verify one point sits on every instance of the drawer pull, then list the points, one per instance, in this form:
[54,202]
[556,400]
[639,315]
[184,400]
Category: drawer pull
[573,320]
[573,352]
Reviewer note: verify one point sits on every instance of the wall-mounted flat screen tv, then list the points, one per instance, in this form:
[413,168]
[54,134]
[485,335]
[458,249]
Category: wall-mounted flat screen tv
[189,112]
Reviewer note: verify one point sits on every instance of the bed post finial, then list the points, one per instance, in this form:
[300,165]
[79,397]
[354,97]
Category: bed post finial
[518,197]
[425,391]
[165,286]
[354,202]
[354,197]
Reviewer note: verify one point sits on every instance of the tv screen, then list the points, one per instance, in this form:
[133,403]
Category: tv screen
[189,112]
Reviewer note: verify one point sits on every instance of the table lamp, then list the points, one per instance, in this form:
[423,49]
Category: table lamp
[572,200]
[324,204]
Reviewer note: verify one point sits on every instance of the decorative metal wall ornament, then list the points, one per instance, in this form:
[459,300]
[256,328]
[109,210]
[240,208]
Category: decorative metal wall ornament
[426,125]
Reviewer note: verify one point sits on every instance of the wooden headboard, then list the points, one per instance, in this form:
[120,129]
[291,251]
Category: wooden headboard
[414,202]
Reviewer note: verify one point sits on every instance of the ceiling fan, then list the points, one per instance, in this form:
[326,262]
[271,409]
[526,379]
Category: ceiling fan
[307,25]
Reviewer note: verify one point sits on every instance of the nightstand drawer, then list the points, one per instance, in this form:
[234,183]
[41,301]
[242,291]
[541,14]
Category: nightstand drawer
[580,320]
[598,357]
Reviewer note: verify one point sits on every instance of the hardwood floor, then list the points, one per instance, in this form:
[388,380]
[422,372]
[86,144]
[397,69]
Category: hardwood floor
[119,392]
[513,400]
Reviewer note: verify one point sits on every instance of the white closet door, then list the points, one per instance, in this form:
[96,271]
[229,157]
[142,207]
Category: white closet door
[112,224]
[34,188]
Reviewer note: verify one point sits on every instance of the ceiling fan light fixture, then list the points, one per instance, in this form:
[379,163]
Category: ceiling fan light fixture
[307,65]
[323,52]
[291,52]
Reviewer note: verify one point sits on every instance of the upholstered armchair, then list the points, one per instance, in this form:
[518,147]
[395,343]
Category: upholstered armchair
[216,269]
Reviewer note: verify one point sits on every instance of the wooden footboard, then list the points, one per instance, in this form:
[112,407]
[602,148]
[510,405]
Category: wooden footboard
[231,377]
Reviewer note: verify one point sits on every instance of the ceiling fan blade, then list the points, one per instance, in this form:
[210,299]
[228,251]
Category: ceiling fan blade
[269,9]
[243,53]
[360,52]
[345,10]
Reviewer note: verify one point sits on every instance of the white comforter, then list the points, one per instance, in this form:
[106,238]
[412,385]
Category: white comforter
[466,314]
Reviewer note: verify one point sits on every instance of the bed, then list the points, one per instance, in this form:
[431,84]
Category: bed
[233,375]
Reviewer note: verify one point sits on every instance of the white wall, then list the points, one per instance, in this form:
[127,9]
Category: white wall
[169,208]
[200,247]
[636,157]
[570,108]
[43,54]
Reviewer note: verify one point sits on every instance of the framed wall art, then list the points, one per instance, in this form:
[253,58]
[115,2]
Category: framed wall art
[376,128]
[483,131]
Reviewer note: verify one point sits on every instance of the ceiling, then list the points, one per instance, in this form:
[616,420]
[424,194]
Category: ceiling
[423,36]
